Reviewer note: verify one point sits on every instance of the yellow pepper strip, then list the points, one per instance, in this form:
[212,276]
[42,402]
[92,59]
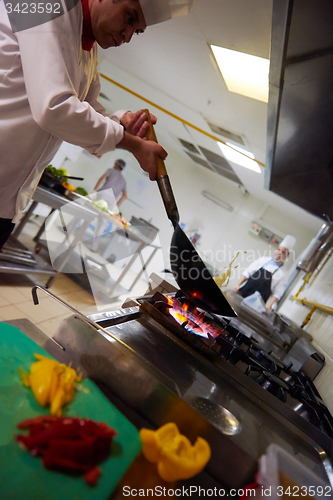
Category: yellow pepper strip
[174,454]
[51,382]
[40,379]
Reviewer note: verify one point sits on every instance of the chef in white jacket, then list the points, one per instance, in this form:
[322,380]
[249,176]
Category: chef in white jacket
[267,275]
[49,90]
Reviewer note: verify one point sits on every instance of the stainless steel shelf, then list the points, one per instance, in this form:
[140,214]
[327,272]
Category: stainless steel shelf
[15,258]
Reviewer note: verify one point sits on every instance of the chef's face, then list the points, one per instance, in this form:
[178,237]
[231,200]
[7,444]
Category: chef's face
[281,254]
[115,21]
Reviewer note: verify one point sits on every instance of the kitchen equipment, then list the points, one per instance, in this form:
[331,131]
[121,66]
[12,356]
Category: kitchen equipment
[224,420]
[22,475]
[190,272]
[16,258]
[52,182]
[277,468]
[317,249]
[17,255]
[273,326]
[217,338]
[264,361]
[152,366]
[301,51]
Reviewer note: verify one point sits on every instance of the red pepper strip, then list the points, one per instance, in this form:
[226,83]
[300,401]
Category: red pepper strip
[65,464]
[91,473]
[91,477]
[38,442]
[69,444]
[87,451]
[71,432]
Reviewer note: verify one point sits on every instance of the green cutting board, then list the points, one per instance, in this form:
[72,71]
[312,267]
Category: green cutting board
[23,476]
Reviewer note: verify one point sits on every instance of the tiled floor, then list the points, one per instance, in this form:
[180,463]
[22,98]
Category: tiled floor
[16,299]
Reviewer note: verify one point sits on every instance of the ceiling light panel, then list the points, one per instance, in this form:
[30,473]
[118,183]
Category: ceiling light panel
[237,156]
[243,73]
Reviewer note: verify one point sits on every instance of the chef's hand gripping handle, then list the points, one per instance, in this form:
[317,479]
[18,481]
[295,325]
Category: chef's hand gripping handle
[163,178]
[151,136]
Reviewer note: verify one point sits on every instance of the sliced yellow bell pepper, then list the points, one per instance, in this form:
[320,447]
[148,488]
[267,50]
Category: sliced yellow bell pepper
[153,441]
[174,454]
[40,379]
[51,382]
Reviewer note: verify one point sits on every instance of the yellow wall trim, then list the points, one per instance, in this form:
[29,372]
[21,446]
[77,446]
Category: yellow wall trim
[207,134]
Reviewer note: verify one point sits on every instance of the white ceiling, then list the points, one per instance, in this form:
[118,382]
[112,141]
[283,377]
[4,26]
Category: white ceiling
[171,64]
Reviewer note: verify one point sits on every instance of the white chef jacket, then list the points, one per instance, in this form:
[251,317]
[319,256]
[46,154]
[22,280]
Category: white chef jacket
[49,90]
[278,285]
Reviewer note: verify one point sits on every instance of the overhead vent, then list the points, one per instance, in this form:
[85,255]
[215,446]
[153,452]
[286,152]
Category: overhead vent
[226,133]
[216,159]
[199,160]
[229,175]
[210,160]
[189,146]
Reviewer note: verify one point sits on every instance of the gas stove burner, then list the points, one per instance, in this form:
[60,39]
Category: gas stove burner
[265,360]
[221,341]
[273,384]
[192,318]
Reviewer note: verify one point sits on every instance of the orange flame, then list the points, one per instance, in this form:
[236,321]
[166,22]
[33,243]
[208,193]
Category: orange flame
[195,321]
[170,301]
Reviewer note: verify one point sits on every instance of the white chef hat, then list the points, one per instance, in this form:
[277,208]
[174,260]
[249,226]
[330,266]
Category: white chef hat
[158,11]
[288,242]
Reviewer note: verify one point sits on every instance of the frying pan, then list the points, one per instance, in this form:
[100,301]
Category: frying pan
[189,271]
[50,181]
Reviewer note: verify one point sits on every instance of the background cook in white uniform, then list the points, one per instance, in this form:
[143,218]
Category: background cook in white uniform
[278,285]
[273,266]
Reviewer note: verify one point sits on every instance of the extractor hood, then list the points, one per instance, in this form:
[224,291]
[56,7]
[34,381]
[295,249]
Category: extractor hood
[299,162]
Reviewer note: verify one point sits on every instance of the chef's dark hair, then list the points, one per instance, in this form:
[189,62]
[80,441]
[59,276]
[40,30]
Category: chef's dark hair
[121,164]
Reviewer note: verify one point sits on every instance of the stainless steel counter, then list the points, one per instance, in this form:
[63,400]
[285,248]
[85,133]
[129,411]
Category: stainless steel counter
[285,339]
[154,377]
